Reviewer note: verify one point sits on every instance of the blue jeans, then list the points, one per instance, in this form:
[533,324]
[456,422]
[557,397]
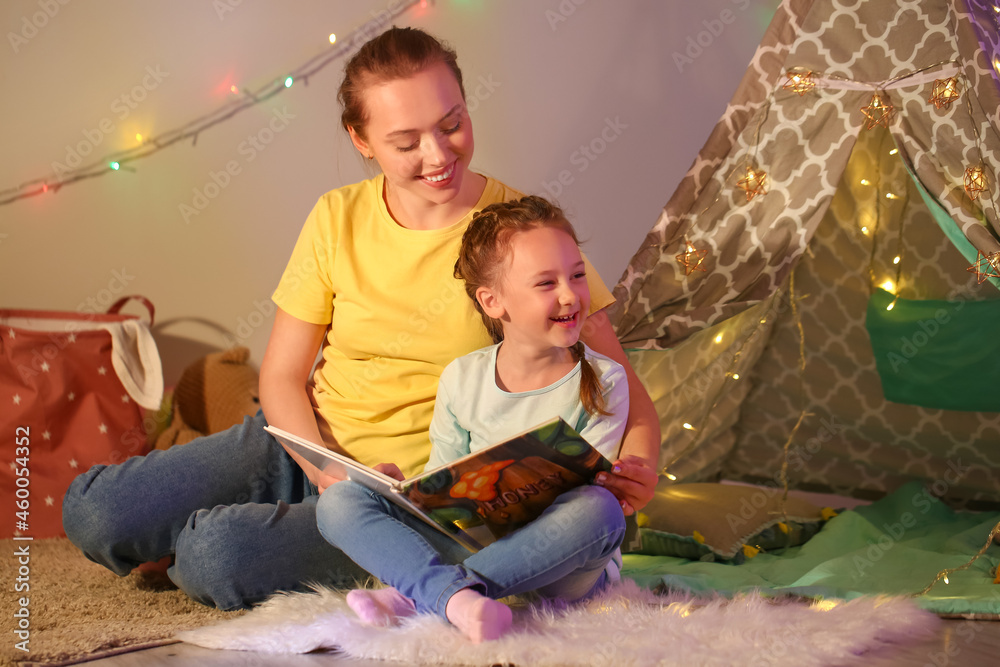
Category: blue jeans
[561,554]
[237,514]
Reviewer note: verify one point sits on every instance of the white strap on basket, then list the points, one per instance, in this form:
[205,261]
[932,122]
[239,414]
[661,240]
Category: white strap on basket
[136,362]
[133,352]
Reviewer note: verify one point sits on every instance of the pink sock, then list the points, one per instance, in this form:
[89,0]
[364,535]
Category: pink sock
[382,606]
[478,617]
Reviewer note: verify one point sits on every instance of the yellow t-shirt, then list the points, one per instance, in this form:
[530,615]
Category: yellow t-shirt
[397,317]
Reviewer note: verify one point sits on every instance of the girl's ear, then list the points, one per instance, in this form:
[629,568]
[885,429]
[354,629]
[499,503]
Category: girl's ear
[490,302]
[360,144]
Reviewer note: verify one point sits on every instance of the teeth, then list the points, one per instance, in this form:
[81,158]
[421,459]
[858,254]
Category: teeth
[438,179]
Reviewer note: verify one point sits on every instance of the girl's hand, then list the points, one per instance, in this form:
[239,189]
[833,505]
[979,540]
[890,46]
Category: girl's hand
[392,470]
[632,481]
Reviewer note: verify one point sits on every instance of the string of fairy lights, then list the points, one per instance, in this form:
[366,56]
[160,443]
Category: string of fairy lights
[241,100]
[752,180]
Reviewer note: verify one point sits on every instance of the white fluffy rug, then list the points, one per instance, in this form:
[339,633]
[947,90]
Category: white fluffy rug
[625,626]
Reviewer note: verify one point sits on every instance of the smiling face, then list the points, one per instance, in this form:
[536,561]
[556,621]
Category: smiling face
[543,299]
[419,131]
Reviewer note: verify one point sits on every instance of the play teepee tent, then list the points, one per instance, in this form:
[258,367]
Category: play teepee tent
[818,300]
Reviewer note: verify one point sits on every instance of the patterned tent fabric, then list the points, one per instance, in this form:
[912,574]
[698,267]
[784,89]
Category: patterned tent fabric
[718,345]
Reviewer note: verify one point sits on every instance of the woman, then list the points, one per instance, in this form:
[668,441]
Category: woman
[370,283]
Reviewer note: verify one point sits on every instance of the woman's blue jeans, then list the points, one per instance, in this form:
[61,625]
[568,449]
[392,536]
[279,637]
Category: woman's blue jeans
[237,514]
[561,554]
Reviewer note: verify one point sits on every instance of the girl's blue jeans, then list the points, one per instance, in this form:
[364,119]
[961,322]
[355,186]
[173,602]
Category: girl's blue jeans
[237,514]
[561,554]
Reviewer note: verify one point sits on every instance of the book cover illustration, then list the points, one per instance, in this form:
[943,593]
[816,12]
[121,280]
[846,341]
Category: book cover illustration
[482,497]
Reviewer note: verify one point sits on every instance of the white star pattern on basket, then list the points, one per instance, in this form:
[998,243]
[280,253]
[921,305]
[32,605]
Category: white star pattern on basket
[17,399]
[102,371]
[124,398]
[12,333]
[45,367]
[73,463]
[103,428]
[50,501]
[71,338]
[46,436]
[71,396]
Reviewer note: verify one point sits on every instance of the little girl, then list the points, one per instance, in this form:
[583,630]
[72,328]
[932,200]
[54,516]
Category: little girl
[522,267]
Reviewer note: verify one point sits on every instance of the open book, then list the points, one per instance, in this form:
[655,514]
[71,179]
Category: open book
[480,497]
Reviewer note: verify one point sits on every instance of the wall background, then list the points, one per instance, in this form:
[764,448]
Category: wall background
[616,97]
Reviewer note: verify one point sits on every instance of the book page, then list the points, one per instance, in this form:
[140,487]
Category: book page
[494,491]
[333,463]
[337,465]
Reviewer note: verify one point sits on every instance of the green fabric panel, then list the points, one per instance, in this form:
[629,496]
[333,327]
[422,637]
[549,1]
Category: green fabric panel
[937,354]
[895,546]
[947,224]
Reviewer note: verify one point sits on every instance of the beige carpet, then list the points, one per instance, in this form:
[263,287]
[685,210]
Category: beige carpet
[78,610]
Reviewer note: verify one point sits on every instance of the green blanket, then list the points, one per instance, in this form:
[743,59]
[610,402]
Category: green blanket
[895,546]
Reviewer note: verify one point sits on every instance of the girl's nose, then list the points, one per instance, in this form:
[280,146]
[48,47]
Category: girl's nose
[567,296]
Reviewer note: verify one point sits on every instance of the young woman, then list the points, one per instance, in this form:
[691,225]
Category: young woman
[370,283]
[522,266]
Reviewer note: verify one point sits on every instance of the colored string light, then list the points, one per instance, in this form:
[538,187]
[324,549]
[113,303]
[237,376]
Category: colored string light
[191,130]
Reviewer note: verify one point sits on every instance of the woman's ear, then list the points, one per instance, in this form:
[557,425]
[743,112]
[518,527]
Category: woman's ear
[490,302]
[360,144]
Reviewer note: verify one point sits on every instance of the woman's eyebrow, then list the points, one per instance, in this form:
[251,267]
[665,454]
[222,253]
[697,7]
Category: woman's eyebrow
[455,109]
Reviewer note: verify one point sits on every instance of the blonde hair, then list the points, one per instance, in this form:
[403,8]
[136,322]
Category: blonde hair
[485,252]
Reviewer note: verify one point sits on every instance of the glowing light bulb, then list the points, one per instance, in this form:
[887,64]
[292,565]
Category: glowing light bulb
[893,151]
[718,339]
[333,38]
[864,230]
[865,181]
[138,137]
[889,195]
[736,376]
[288,82]
[946,579]
[688,426]
[889,307]
[996,64]
[234,90]
[895,260]
[672,477]
[888,286]
[115,166]
[45,187]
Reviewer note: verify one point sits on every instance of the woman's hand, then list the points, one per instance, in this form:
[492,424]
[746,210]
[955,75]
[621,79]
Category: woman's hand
[632,481]
[640,450]
[392,470]
[320,478]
